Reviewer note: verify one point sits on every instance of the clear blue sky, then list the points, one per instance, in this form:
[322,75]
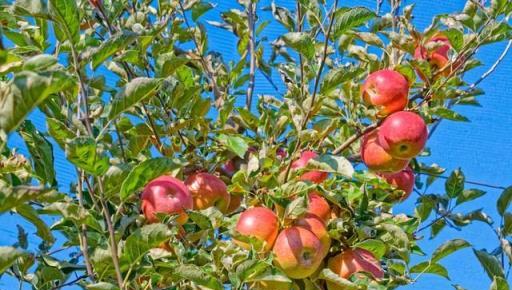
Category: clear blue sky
[482,148]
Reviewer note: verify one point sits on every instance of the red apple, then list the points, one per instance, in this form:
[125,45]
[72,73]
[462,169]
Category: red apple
[96,3]
[403,134]
[318,206]
[354,261]
[234,203]
[298,252]
[260,223]
[315,225]
[314,176]
[387,90]
[403,180]
[208,190]
[438,57]
[376,158]
[168,195]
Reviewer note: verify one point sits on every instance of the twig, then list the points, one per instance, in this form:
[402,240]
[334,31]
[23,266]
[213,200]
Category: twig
[84,246]
[153,128]
[120,139]
[467,181]
[354,138]
[301,61]
[72,282]
[251,8]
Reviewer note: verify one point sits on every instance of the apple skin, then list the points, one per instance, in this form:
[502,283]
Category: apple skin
[315,225]
[352,261]
[376,158]
[208,190]
[297,252]
[234,203]
[439,56]
[403,134]
[96,3]
[260,223]
[314,176]
[387,90]
[166,194]
[403,180]
[318,206]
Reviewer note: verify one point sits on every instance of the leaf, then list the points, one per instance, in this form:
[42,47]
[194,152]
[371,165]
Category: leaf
[13,196]
[454,185]
[499,283]
[200,8]
[39,63]
[8,256]
[448,114]
[59,131]
[25,92]
[456,38]
[85,154]
[349,18]
[198,276]
[235,144]
[504,200]
[200,220]
[113,45]
[102,286]
[507,223]
[65,13]
[296,208]
[28,213]
[333,164]
[143,239]
[301,42]
[146,171]
[337,76]
[490,264]
[377,247]
[431,268]
[330,276]
[469,195]
[137,90]
[41,152]
[448,248]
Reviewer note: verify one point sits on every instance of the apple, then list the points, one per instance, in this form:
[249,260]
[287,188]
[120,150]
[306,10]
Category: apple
[168,195]
[403,134]
[353,261]
[208,190]
[260,223]
[298,252]
[438,57]
[96,3]
[376,158]
[315,225]
[234,203]
[403,180]
[318,206]
[314,176]
[387,90]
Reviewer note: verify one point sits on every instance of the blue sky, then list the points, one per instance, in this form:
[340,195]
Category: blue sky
[481,148]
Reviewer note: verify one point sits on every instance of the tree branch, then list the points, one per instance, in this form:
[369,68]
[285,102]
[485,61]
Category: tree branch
[251,8]
[354,138]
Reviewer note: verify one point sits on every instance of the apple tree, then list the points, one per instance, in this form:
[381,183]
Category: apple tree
[186,178]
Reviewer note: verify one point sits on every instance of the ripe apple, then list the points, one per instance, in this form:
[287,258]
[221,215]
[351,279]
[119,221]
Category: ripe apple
[314,176]
[438,57]
[318,206]
[352,261]
[298,252]
[260,223]
[376,158]
[387,90]
[234,203]
[403,134]
[403,180]
[166,194]
[208,190]
[315,225]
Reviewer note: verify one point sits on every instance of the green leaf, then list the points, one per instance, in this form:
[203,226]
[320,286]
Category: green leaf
[102,286]
[301,42]
[25,92]
[448,248]
[41,152]
[448,114]
[198,276]
[507,225]
[66,14]
[454,185]
[296,208]
[431,268]
[490,264]
[456,38]
[85,154]
[377,247]
[504,200]
[28,213]
[337,76]
[349,18]
[469,194]
[499,283]
[235,144]
[8,256]
[137,90]
[200,8]
[201,220]
[13,196]
[39,63]
[330,276]
[146,171]
[112,46]
[144,239]
[59,131]
[333,164]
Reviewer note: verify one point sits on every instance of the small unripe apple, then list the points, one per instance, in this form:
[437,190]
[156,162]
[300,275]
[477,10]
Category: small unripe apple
[167,195]
[315,225]
[298,252]
[208,190]
[387,90]
[318,206]
[376,158]
[437,57]
[403,134]
[314,176]
[260,223]
[403,180]
[354,261]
